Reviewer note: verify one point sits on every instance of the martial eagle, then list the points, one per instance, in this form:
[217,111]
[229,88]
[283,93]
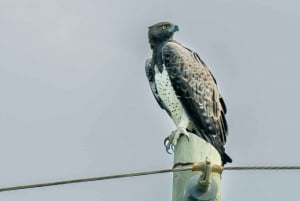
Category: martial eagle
[183,85]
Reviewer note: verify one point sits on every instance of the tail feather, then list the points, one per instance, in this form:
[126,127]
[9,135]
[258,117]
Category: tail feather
[226,159]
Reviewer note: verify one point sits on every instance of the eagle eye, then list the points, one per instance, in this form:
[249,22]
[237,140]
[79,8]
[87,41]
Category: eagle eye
[164,27]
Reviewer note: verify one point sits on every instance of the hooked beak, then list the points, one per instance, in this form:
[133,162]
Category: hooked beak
[173,28]
[176,28]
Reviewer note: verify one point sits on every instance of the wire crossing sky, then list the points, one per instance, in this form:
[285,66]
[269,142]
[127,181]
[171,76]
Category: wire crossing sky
[118,176]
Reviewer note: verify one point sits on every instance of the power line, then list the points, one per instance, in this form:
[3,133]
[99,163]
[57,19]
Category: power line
[93,179]
[283,167]
[63,182]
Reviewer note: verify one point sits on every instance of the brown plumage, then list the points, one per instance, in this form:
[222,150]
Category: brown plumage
[193,84]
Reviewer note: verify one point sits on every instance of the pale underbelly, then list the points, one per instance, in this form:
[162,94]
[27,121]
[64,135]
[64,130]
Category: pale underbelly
[167,94]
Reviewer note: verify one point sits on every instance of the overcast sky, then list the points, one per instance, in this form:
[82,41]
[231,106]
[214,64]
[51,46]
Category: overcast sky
[75,101]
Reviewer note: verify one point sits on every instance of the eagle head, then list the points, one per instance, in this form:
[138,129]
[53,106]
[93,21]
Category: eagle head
[161,32]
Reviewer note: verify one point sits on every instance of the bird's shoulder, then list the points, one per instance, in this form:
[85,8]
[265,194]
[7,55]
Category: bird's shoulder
[173,46]
[174,49]
[182,58]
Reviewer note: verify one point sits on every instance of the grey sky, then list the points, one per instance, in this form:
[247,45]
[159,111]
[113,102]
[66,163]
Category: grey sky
[75,101]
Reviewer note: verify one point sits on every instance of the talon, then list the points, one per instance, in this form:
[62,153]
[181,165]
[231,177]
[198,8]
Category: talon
[171,141]
[168,145]
[187,137]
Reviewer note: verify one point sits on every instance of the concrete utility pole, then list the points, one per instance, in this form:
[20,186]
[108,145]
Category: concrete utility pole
[196,186]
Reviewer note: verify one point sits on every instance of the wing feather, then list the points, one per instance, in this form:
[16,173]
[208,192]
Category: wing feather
[197,90]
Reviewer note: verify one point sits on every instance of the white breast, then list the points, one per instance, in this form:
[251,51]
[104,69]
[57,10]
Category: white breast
[167,94]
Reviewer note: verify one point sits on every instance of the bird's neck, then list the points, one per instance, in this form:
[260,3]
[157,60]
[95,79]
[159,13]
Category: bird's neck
[157,53]
[157,56]
[159,42]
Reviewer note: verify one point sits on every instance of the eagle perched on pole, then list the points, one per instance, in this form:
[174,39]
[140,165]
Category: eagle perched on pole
[183,85]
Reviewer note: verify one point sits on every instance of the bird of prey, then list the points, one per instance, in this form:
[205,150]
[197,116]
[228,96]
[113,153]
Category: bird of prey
[183,85]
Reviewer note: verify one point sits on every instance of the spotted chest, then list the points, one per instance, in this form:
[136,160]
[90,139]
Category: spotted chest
[167,95]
